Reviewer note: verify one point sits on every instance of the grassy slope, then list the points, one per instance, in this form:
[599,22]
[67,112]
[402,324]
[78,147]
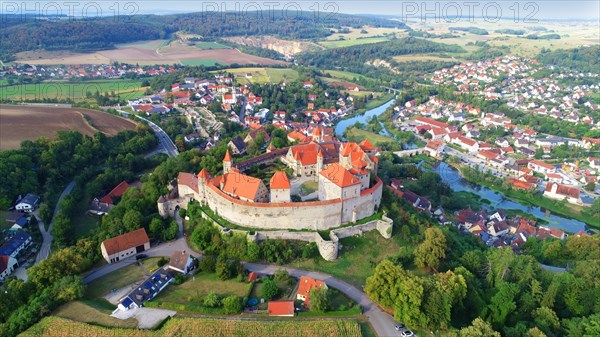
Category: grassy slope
[73,90]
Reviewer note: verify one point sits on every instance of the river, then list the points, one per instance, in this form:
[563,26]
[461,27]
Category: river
[453,178]
[364,118]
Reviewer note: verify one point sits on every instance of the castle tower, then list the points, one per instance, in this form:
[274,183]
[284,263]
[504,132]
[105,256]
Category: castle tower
[227,162]
[163,207]
[317,134]
[202,178]
[319,164]
[280,187]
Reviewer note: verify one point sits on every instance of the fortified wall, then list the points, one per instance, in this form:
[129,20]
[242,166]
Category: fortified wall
[327,248]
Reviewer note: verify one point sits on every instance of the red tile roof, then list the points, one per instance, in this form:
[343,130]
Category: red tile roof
[188,180]
[338,175]
[280,181]
[4,262]
[252,276]
[126,241]
[115,193]
[227,156]
[281,308]
[241,185]
[564,190]
[431,122]
[306,284]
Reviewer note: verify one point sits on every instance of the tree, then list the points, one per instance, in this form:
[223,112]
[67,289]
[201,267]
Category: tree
[132,220]
[156,227]
[478,328]
[252,251]
[546,319]
[431,251]
[45,213]
[535,332]
[232,305]
[270,289]
[208,264]
[319,299]
[212,300]
[503,302]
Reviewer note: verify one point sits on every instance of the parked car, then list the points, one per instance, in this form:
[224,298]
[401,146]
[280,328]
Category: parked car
[400,326]
[407,333]
[141,256]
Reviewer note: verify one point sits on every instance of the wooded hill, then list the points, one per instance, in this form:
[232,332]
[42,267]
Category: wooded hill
[103,33]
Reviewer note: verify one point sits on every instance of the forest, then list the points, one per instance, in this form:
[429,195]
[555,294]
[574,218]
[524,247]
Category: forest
[103,33]
[355,58]
[582,59]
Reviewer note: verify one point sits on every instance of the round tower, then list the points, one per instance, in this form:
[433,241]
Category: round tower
[202,178]
[319,164]
[163,208]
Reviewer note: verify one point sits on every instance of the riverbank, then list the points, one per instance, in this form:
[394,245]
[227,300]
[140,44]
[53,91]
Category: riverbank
[343,123]
[535,199]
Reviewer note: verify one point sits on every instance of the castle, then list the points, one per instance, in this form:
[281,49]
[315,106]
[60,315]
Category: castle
[348,188]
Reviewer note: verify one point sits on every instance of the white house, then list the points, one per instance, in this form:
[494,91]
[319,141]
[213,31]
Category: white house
[562,192]
[28,203]
[180,261]
[541,167]
[124,246]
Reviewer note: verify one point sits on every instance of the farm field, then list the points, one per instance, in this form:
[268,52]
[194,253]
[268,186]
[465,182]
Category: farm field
[205,63]
[355,33]
[263,75]
[352,42]
[166,52]
[76,91]
[344,75]
[211,45]
[58,327]
[21,123]
[572,36]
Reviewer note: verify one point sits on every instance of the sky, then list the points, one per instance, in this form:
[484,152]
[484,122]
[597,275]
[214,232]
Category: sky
[541,10]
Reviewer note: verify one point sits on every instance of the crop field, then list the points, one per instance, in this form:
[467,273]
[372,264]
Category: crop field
[355,33]
[59,327]
[571,36]
[344,75]
[166,52]
[211,45]
[263,75]
[352,42]
[278,75]
[21,123]
[76,91]
[205,63]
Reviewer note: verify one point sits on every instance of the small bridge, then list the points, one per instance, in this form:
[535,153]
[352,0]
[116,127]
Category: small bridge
[392,90]
[410,153]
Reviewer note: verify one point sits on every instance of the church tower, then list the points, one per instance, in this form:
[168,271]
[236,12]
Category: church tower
[319,164]
[227,162]
[202,178]
[317,134]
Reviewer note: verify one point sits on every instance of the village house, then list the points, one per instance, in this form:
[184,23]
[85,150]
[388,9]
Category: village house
[28,203]
[104,204]
[146,291]
[305,285]
[237,146]
[541,167]
[16,244]
[125,246]
[435,148]
[180,261]
[562,192]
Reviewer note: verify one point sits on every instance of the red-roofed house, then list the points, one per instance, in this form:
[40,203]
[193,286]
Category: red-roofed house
[124,246]
[281,308]
[541,167]
[305,285]
[562,192]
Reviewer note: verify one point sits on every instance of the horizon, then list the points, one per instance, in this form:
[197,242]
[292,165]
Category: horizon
[466,10]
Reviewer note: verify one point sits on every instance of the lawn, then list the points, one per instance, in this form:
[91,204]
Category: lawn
[309,187]
[278,75]
[357,134]
[195,288]
[76,91]
[358,257]
[205,63]
[84,224]
[81,312]
[345,75]
[353,42]
[3,223]
[211,45]
[115,280]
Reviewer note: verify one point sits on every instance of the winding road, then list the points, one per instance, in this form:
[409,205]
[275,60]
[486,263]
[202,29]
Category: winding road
[166,145]
[46,234]
[381,322]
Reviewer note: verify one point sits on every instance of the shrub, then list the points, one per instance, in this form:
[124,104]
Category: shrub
[212,300]
[162,261]
[269,289]
[232,304]
[208,264]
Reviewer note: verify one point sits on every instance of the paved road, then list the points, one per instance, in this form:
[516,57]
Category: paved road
[381,321]
[46,234]
[166,145]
